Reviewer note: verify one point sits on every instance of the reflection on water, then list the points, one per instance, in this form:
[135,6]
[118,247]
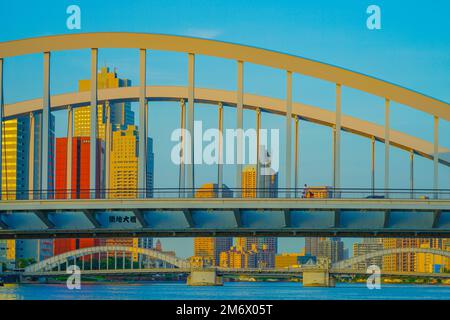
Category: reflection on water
[230,290]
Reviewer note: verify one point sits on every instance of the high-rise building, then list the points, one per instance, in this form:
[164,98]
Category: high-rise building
[312,245]
[368,245]
[61,246]
[210,248]
[404,262]
[121,113]
[410,261]
[124,164]
[34,250]
[16,181]
[237,258]
[15,154]
[80,180]
[265,247]
[428,262]
[331,248]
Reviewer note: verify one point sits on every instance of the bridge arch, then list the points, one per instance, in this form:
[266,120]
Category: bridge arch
[54,261]
[251,101]
[232,51]
[355,260]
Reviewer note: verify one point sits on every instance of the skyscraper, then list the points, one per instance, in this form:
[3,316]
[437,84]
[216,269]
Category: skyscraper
[124,163]
[80,167]
[121,113]
[16,178]
[368,245]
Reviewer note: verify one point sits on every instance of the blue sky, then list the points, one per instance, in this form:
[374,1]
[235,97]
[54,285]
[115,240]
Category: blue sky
[412,49]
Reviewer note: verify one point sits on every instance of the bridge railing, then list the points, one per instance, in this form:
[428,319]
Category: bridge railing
[247,193]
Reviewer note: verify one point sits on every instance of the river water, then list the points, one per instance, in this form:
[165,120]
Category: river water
[230,290]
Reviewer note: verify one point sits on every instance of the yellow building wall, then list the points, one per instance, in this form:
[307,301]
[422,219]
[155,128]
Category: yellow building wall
[286,260]
[82,115]
[124,164]
[249,182]
[11,249]
[9,159]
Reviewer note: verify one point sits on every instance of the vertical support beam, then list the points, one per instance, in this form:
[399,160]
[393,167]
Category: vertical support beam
[288,132]
[190,123]
[93,129]
[387,147]
[337,141]
[411,173]
[296,156]
[108,138]
[69,151]
[1,125]
[31,158]
[45,126]
[220,155]
[239,125]
[258,185]
[436,157]
[182,182]
[142,160]
[372,165]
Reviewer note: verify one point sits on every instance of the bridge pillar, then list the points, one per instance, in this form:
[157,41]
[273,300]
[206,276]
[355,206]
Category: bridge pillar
[318,278]
[142,159]
[93,125]
[190,183]
[387,131]
[203,277]
[239,126]
[318,275]
[288,132]
[220,156]
[181,182]
[45,126]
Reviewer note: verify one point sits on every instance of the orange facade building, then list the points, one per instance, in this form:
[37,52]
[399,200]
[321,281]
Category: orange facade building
[80,168]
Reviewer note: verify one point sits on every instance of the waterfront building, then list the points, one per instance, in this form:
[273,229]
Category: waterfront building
[80,187]
[238,258]
[121,114]
[368,245]
[292,260]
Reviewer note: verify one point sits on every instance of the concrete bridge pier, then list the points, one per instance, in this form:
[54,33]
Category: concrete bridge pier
[318,278]
[319,275]
[204,277]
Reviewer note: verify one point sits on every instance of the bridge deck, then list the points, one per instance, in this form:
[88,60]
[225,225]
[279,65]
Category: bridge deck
[224,217]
